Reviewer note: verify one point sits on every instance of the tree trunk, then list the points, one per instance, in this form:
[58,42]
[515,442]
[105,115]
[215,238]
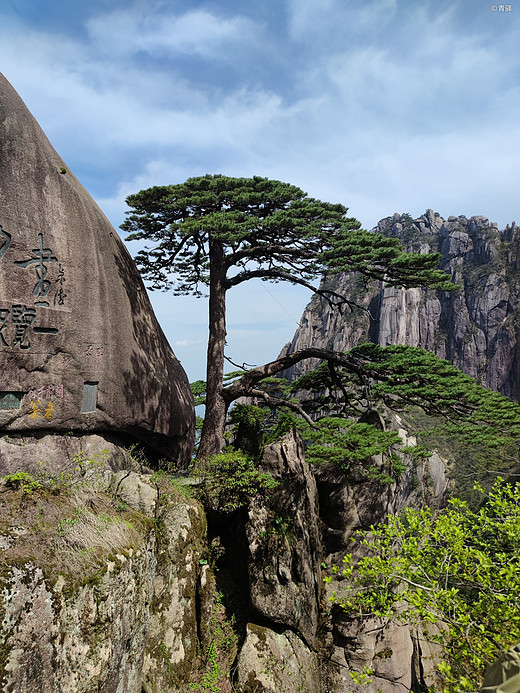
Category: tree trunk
[216,407]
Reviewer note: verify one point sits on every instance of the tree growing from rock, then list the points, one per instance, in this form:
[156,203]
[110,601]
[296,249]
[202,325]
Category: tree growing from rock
[335,408]
[213,233]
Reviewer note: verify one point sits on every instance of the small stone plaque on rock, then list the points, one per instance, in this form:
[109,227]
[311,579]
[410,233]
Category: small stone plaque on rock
[11,400]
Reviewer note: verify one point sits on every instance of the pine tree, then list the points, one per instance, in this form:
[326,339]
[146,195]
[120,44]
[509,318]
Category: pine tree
[214,233]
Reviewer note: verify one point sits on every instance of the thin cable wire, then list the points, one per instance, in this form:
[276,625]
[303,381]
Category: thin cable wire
[280,304]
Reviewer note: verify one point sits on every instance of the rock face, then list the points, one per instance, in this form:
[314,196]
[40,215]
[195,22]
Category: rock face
[271,662]
[107,582]
[100,579]
[80,347]
[476,328]
[285,543]
[283,535]
[397,655]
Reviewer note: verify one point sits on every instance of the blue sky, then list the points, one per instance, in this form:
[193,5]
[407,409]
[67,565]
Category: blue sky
[383,105]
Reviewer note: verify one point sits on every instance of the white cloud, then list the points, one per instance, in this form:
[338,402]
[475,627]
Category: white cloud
[384,105]
[197,32]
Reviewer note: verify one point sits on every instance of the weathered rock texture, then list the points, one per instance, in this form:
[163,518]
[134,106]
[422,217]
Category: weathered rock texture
[271,662]
[100,579]
[476,328]
[285,542]
[398,656]
[294,642]
[80,347]
[106,579]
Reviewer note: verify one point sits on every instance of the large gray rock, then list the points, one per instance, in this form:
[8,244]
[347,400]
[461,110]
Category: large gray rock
[80,347]
[397,654]
[376,655]
[476,328]
[54,455]
[271,662]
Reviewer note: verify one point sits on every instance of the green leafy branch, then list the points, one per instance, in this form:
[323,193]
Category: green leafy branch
[458,569]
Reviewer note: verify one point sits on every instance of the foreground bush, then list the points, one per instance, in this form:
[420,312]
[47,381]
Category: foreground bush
[459,568]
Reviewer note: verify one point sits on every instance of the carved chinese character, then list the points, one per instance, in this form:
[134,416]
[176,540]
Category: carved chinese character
[61,274]
[22,317]
[89,350]
[35,409]
[20,337]
[43,255]
[60,295]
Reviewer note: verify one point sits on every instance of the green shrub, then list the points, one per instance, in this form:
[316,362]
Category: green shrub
[459,568]
[22,480]
[229,480]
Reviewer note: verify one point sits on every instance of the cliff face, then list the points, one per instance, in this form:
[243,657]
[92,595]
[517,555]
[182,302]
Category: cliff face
[113,579]
[101,582]
[476,327]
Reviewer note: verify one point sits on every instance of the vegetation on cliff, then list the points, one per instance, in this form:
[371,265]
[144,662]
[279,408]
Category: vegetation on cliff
[456,574]
[335,408]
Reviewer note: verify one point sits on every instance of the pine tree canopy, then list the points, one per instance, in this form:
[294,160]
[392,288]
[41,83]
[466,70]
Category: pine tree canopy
[215,232]
[269,230]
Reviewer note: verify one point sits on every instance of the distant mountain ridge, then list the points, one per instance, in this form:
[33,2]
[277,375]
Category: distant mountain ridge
[477,328]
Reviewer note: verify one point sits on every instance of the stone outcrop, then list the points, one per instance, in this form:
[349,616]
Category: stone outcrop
[271,662]
[397,655]
[80,347]
[349,505]
[100,580]
[476,327]
[294,641]
[285,544]
[107,577]
[389,657]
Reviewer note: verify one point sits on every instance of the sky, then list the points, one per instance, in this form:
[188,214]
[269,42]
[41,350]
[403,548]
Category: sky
[382,105]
